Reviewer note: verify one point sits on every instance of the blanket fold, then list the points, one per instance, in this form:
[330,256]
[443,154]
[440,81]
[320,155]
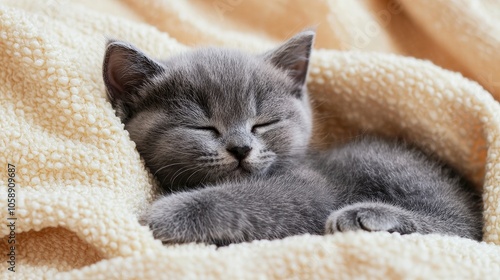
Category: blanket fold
[80,184]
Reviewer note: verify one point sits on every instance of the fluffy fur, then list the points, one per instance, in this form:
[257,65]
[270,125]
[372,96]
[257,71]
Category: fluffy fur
[185,114]
[239,126]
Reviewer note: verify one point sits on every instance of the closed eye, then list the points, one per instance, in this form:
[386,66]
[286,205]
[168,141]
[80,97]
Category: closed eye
[206,128]
[260,125]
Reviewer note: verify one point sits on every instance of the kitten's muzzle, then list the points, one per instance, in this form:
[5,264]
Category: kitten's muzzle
[239,152]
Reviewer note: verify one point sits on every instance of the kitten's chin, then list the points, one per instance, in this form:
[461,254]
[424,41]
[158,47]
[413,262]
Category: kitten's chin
[241,171]
[244,169]
[237,174]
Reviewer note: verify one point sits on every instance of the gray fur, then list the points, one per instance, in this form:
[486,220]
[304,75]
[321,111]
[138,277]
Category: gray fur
[195,106]
[237,127]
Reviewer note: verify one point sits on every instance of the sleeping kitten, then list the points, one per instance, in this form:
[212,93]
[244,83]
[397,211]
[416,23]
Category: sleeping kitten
[228,132]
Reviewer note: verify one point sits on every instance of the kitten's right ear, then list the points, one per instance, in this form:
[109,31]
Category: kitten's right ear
[125,70]
[293,56]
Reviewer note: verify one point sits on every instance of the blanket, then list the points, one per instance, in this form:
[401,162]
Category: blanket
[73,185]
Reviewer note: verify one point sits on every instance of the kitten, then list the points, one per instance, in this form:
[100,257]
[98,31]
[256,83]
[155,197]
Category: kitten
[228,133]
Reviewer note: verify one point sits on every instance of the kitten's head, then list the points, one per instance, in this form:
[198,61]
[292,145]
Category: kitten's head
[212,113]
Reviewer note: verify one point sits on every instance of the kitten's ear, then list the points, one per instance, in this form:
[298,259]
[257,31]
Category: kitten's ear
[293,56]
[125,69]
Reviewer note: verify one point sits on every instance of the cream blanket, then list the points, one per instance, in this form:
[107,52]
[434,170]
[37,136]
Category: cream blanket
[80,184]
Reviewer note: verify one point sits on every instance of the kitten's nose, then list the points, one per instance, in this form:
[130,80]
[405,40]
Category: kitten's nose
[239,153]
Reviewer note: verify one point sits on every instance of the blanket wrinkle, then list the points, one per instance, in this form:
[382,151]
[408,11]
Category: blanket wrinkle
[423,70]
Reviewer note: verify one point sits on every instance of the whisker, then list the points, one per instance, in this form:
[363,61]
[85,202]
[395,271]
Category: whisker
[166,166]
[184,171]
[187,181]
[171,177]
[203,180]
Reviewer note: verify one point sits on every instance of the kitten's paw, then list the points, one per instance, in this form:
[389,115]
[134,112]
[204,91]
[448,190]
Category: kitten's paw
[370,217]
[192,217]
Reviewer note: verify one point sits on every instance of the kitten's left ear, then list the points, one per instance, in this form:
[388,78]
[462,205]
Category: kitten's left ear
[293,56]
[125,70]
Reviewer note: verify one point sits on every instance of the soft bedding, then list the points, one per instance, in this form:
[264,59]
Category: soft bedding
[424,70]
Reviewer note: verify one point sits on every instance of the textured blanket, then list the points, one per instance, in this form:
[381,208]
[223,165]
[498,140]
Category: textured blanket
[73,185]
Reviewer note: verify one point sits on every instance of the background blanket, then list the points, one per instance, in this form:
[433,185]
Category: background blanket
[80,184]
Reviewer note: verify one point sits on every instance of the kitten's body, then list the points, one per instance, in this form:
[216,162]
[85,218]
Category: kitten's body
[369,184]
[239,125]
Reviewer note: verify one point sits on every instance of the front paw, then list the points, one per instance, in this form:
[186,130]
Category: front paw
[193,217]
[371,217]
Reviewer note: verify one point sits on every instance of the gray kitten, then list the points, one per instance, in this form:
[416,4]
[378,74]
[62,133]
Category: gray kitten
[228,133]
